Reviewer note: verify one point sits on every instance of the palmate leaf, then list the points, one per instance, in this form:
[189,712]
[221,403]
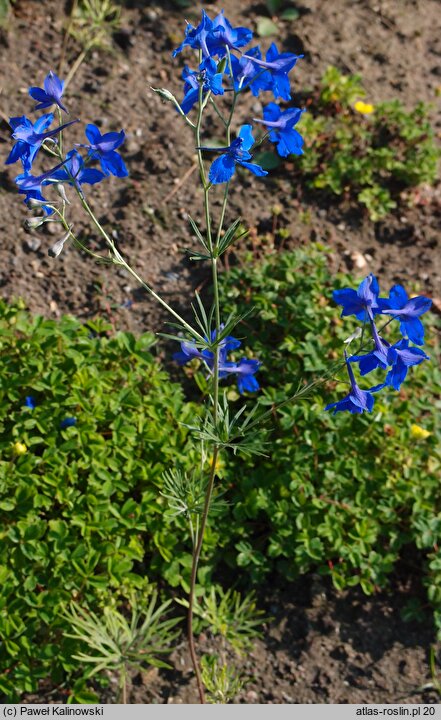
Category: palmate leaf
[114,643]
[233,434]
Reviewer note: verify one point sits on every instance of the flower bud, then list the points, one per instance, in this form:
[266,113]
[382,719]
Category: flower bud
[57,247]
[34,203]
[59,187]
[34,222]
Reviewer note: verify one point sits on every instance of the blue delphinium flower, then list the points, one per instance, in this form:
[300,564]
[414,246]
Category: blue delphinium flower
[30,185]
[224,36]
[281,126]
[278,66]
[30,402]
[214,36]
[245,71]
[30,137]
[407,311]
[68,422]
[377,358]
[402,357]
[196,37]
[357,401]
[51,95]
[76,173]
[222,169]
[363,303]
[103,148]
[245,369]
[208,75]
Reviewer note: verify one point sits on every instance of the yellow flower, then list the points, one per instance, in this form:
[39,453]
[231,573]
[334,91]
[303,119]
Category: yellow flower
[419,433]
[364,108]
[219,464]
[19,448]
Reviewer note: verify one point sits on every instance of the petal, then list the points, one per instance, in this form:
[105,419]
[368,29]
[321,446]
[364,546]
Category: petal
[90,176]
[40,96]
[290,143]
[222,170]
[397,297]
[53,85]
[246,135]
[397,375]
[255,169]
[43,122]
[247,383]
[414,330]
[112,163]
[190,99]
[93,134]
[272,112]
[418,306]
[111,140]
[348,298]
[16,153]
[282,87]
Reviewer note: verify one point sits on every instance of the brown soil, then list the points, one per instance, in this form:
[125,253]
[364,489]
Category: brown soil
[320,646]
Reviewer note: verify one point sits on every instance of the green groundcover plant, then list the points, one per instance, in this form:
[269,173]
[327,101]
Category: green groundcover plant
[101,508]
[362,152]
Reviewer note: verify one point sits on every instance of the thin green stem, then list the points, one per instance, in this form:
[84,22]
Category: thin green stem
[119,260]
[60,136]
[194,569]
[218,112]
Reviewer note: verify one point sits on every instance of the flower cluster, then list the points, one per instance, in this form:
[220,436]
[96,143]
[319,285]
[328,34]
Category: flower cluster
[365,304]
[72,168]
[245,369]
[217,42]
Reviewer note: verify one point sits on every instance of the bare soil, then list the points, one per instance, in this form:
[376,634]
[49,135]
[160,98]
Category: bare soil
[319,645]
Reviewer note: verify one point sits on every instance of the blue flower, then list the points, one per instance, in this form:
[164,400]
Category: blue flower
[363,303]
[196,37]
[402,357]
[30,137]
[30,402]
[103,148]
[281,124]
[357,401]
[407,311]
[244,369]
[68,422]
[76,173]
[214,36]
[278,66]
[30,185]
[208,75]
[377,358]
[224,36]
[245,71]
[51,95]
[222,169]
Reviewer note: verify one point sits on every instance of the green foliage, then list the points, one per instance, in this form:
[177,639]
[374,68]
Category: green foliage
[222,682]
[119,645]
[5,9]
[366,156]
[229,615]
[347,495]
[93,22]
[80,510]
